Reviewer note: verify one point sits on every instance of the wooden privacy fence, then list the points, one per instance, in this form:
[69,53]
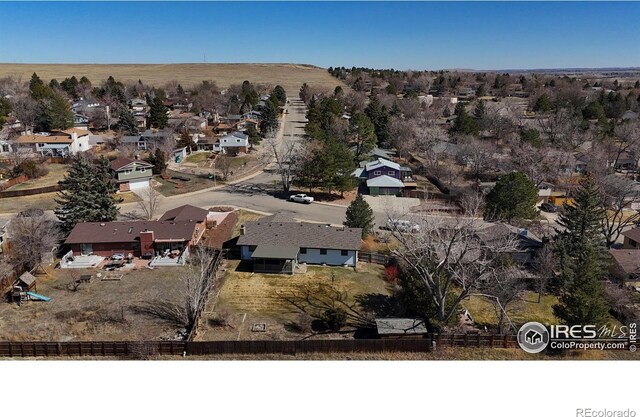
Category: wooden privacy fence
[31,191]
[374,258]
[287,347]
[13,181]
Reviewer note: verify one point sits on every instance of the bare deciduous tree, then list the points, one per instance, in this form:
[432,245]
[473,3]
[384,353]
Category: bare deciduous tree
[199,282]
[447,253]
[503,288]
[149,203]
[32,235]
[476,154]
[283,154]
[618,196]
[223,163]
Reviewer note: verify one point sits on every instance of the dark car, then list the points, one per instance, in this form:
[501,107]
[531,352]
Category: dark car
[549,208]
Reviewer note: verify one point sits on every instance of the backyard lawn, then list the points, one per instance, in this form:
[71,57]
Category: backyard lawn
[247,298]
[55,174]
[197,157]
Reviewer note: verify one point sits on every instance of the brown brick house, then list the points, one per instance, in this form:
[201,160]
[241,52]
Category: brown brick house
[177,230]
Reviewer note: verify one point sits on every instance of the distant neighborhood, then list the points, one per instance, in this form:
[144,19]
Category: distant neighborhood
[450,203]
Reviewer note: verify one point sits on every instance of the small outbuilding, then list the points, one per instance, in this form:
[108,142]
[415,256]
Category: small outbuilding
[26,282]
[395,328]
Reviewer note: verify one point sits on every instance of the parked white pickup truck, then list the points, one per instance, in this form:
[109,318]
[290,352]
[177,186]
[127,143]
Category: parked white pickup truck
[301,198]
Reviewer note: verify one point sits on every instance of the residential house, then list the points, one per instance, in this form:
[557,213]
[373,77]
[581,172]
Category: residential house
[80,121]
[140,110]
[626,265]
[137,141]
[277,246]
[85,105]
[632,238]
[234,143]
[525,244]
[382,177]
[56,144]
[131,174]
[168,239]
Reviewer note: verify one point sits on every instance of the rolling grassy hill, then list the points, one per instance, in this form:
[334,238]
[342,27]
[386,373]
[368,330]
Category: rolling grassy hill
[290,76]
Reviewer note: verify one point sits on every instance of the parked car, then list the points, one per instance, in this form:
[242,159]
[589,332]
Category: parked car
[549,208]
[117,257]
[301,198]
[402,226]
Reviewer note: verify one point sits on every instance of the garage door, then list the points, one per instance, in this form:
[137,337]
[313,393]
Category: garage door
[138,185]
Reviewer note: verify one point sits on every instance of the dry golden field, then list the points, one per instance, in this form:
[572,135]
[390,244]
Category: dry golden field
[290,76]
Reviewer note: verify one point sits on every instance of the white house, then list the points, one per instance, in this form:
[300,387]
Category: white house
[278,245]
[57,144]
[234,143]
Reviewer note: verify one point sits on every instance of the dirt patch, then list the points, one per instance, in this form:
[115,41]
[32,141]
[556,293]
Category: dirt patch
[99,310]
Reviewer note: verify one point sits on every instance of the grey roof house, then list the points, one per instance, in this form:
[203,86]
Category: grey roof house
[131,174]
[277,245]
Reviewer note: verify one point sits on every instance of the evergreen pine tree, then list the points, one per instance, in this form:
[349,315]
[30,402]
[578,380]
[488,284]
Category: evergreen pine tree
[582,257]
[127,123]
[158,113]
[58,113]
[360,214]
[86,195]
[269,118]
[513,197]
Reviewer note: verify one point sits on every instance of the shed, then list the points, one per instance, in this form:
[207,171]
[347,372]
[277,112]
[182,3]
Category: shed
[393,328]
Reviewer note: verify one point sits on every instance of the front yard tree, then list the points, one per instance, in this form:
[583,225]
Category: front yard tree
[127,124]
[269,122]
[159,161]
[513,197]
[360,214]
[362,134]
[58,114]
[281,95]
[582,258]
[86,195]
[158,113]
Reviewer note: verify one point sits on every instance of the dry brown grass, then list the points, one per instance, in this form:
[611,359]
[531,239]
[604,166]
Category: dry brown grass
[247,298]
[99,310]
[290,76]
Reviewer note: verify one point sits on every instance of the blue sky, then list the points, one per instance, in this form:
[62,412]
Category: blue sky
[383,35]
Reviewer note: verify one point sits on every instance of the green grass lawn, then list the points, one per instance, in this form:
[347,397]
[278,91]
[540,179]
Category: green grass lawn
[197,157]
[195,183]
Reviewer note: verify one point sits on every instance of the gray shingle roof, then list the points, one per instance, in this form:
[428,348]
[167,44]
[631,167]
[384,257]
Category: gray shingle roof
[303,235]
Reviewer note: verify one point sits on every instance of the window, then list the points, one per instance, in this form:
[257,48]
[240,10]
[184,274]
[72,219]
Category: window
[323,251]
[143,169]
[303,251]
[377,173]
[127,171]
[238,140]
[344,252]
[392,173]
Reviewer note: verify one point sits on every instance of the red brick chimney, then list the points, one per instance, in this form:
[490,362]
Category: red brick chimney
[146,243]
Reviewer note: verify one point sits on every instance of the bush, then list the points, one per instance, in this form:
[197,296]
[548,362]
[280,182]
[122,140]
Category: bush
[391,273]
[31,169]
[334,318]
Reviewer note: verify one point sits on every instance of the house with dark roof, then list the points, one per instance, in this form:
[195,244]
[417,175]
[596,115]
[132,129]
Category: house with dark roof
[170,237]
[277,246]
[131,174]
[525,245]
[384,177]
[234,143]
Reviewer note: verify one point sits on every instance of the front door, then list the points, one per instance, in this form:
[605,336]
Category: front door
[86,248]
